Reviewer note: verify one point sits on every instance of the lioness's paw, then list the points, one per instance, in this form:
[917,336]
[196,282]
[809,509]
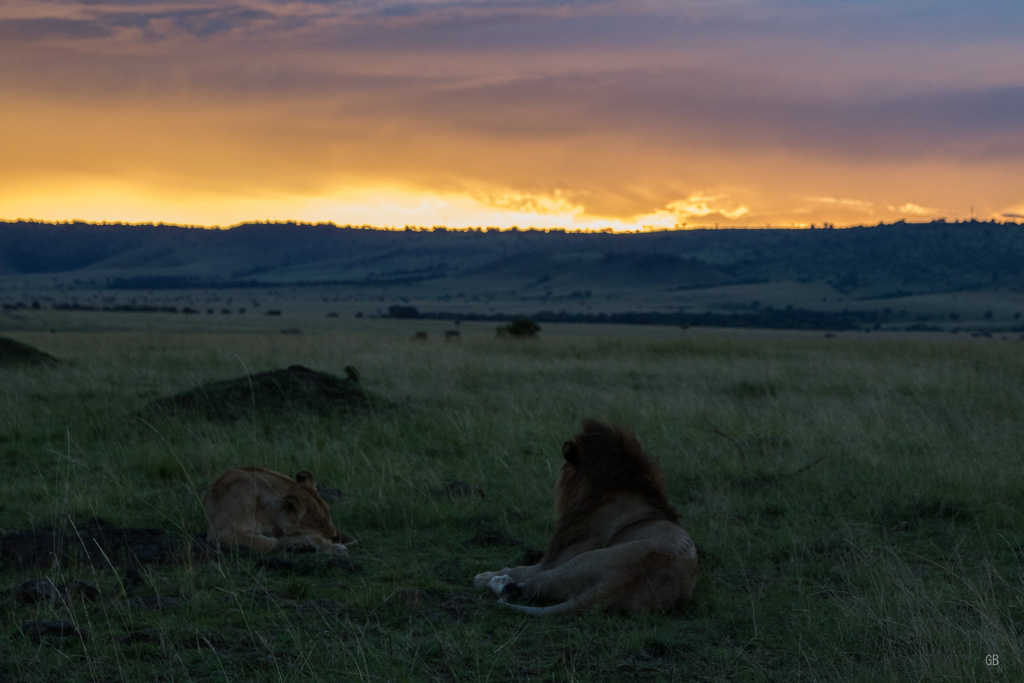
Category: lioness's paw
[334,549]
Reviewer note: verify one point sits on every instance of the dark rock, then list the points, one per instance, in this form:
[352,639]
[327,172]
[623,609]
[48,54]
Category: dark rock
[36,631]
[39,590]
[35,590]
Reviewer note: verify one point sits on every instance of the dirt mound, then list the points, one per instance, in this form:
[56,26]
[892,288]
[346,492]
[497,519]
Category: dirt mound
[14,353]
[99,543]
[279,392]
[94,543]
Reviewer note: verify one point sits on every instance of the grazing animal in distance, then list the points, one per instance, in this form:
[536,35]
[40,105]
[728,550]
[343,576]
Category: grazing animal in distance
[269,511]
[617,544]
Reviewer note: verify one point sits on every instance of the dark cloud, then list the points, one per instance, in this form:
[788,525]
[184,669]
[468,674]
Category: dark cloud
[692,110]
[200,23]
[955,123]
[718,100]
[405,10]
[32,30]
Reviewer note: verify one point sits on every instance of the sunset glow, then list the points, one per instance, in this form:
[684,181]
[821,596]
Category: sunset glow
[626,114]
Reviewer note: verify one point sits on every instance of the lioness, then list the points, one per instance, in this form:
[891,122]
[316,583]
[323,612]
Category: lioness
[268,511]
[617,544]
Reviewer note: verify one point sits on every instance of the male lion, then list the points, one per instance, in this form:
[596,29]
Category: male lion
[268,511]
[617,544]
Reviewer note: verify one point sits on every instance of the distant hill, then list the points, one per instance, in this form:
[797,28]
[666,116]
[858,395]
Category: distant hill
[867,263]
[909,257]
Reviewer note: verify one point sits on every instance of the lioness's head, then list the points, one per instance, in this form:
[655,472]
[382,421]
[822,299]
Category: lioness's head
[308,511]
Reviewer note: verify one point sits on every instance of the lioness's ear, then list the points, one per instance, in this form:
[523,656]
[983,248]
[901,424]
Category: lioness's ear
[571,453]
[305,478]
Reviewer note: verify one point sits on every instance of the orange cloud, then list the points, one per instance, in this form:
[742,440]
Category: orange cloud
[916,210]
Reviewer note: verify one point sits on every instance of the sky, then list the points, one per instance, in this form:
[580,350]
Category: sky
[622,114]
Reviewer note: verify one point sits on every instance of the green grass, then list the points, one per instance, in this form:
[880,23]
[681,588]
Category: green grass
[858,506]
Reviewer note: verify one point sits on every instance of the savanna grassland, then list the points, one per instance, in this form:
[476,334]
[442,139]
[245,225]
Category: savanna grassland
[858,505]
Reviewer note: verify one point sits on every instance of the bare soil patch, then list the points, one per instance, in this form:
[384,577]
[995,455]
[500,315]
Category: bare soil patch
[96,542]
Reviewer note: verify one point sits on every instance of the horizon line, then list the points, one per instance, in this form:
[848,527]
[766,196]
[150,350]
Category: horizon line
[1003,220]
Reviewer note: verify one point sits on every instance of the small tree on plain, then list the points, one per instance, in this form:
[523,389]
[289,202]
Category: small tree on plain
[521,328]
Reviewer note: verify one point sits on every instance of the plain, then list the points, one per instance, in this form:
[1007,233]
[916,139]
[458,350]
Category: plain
[858,505]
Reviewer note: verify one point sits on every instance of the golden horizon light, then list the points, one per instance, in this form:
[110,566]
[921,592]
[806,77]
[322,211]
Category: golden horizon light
[622,115]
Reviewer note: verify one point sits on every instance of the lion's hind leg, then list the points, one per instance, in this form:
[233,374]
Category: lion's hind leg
[632,577]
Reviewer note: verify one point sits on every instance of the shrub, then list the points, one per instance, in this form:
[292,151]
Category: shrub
[520,328]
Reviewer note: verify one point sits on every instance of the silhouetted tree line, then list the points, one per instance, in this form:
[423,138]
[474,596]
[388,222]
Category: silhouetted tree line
[182,282]
[400,311]
[788,318]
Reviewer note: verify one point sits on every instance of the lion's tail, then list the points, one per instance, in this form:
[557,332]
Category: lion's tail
[566,607]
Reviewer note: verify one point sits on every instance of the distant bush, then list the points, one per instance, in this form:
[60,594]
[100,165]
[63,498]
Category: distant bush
[520,328]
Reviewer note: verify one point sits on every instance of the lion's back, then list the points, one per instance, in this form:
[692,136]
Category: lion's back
[656,568]
[244,495]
